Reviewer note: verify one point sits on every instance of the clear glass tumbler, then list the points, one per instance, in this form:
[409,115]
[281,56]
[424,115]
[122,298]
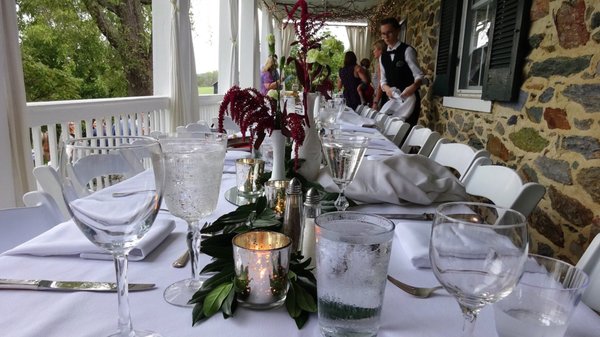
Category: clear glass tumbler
[353,253]
[544,300]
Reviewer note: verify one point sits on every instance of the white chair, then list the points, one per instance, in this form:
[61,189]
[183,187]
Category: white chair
[590,263]
[48,181]
[228,124]
[503,186]
[20,224]
[457,156]
[365,111]
[397,130]
[421,137]
[359,108]
[380,120]
[201,126]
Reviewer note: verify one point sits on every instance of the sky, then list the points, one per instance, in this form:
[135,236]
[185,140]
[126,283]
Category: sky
[205,34]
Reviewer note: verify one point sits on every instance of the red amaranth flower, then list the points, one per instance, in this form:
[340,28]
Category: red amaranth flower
[257,113]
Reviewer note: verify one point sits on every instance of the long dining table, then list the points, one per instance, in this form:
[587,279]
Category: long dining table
[44,313]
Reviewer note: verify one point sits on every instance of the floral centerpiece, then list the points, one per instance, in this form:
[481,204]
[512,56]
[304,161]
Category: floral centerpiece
[261,115]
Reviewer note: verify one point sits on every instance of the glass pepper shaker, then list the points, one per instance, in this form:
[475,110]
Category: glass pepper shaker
[312,209]
[292,217]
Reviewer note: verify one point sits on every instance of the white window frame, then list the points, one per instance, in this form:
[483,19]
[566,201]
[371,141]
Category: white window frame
[466,99]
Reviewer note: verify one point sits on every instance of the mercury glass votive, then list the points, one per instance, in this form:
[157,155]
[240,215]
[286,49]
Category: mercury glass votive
[261,266]
[275,193]
[248,172]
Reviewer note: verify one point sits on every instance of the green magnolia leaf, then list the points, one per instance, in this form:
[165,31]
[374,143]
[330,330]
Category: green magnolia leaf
[229,306]
[197,314]
[217,265]
[304,299]
[218,252]
[215,298]
[199,296]
[221,277]
[290,303]
[261,204]
[221,240]
[301,319]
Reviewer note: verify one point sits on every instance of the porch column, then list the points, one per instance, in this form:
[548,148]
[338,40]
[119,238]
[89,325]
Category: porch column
[267,28]
[248,42]
[224,47]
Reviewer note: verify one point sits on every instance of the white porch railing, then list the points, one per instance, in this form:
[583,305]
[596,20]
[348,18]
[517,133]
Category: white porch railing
[49,121]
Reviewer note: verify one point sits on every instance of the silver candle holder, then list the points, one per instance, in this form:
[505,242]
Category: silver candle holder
[261,266]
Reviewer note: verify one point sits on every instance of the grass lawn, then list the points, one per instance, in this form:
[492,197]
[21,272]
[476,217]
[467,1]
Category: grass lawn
[205,90]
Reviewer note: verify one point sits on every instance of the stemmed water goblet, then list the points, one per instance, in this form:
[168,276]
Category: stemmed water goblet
[343,154]
[113,188]
[193,170]
[477,253]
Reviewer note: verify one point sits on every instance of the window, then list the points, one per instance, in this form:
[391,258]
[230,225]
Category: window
[480,48]
[474,46]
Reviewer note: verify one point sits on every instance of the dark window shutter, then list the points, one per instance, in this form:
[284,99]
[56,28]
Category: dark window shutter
[507,45]
[445,69]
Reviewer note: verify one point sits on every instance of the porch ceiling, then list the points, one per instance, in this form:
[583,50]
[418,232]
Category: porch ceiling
[339,10]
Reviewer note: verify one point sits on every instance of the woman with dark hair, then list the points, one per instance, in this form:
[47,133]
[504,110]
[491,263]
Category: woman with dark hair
[351,76]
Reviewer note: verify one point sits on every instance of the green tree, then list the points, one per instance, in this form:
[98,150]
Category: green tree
[208,79]
[66,56]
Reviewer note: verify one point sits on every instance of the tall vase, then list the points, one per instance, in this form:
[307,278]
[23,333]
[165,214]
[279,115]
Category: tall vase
[310,150]
[278,143]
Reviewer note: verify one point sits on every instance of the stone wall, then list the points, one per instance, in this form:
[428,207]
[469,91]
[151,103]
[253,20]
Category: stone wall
[551,134]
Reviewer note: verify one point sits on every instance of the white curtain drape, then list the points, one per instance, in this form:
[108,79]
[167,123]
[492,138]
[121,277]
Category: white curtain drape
[267,28]
[16,167]
[184,85]
[360,41]
[234,17]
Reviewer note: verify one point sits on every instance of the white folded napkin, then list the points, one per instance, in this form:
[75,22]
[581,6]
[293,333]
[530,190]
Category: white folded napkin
[398,179]
[414,238]
[67,239]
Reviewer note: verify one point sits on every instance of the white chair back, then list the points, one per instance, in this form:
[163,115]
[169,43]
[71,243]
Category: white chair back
[421,137]
[228,124]
[397,130]
[503,186]
[365,111]
[20,224]
[201,126]
[380,120]
[359,108]
[48,181]
[590,263]
[457,156]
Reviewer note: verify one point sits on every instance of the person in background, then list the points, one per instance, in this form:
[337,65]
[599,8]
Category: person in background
[350,77]
[378,48]
[365,90]
[269,77]
[400,73]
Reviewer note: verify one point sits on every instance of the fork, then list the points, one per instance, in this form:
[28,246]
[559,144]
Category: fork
[415,291]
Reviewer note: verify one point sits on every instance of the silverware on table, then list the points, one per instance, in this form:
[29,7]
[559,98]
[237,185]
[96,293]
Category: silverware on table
[415,291]
[69,285]
[421,216]
[182,260]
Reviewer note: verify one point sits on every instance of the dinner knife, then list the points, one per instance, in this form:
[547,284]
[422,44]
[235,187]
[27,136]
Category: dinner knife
[69,285]
[403,216]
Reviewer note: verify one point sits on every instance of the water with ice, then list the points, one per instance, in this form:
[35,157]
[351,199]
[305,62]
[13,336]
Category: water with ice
[351,273]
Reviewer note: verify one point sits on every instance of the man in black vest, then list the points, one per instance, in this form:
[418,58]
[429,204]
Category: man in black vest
[400,72]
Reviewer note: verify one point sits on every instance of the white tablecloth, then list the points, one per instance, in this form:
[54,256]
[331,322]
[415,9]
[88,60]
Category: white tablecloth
[50,314]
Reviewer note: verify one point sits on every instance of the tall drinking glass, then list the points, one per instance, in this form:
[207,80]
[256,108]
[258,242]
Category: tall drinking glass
[193,169]
[353,253]
[477,252]
[113,188]
[343,154]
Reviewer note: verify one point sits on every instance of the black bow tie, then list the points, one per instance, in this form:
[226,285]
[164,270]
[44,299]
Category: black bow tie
[393,51]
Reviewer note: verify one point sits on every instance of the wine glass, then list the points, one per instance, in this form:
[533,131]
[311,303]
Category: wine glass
[193,170]
[343,154]
[113,188]
[477,253]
